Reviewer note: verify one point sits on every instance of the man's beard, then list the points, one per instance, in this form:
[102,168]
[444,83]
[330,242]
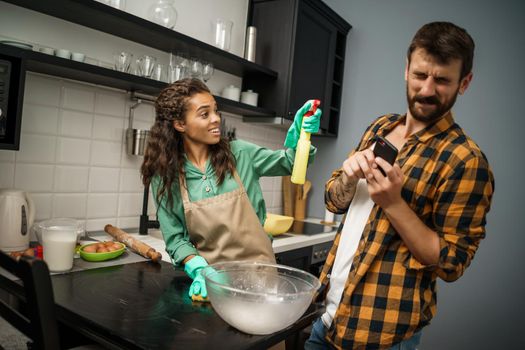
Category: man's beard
[438,112]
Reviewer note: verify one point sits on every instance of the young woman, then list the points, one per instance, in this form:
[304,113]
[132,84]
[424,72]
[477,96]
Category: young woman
[209,202]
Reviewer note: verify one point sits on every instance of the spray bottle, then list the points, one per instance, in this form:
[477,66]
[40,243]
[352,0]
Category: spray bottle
[303,149]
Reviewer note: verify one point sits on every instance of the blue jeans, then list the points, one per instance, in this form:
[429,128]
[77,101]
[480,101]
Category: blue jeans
[318,342]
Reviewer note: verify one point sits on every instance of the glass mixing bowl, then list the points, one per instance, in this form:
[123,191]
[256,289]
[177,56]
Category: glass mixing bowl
[259,298]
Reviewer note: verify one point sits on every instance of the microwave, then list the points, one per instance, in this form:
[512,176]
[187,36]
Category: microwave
[12,80]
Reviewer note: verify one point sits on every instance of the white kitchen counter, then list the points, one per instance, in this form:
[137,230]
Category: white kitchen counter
[281,243]
[288,241]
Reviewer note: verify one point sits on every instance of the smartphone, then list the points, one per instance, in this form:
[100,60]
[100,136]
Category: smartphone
[385,150]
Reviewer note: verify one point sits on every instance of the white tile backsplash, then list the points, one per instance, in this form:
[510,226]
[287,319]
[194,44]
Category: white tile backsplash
[36,149]
[79,97]
[105,153]
[128,161]
[73,151]
[40,119]
[104,179]
[266,183]
[43,205]
[130,204]
[102,205]
[34,177]
[7,156]
[42,90]
[110,103]
[277,199]
[143,112]
[71,179]
[128,221]
[75,124]
[108,128]
[73,157]
[130,180]
[7,175]
[98,224]
[70,205]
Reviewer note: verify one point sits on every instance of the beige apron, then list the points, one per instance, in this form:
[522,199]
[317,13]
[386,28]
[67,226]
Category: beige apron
[225,227]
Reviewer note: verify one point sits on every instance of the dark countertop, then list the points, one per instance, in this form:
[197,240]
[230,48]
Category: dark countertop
[144,305]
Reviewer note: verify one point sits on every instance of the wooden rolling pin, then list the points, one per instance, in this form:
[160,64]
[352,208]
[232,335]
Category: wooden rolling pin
[133,244]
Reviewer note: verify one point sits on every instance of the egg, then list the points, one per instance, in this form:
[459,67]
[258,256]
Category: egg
[102,250]
[92,248]
[117,246]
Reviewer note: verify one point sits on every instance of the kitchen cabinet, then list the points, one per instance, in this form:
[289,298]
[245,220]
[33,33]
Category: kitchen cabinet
[95,15]
[299,258]
[305,42]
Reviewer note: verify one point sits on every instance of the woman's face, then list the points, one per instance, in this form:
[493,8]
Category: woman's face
[201,123]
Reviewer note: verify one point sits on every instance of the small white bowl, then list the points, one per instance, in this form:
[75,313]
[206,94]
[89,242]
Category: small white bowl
[47,50]
[63,53]
[77,56]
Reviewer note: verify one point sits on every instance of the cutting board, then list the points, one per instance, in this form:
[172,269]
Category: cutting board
[301,196]
[295,198]
[288,196]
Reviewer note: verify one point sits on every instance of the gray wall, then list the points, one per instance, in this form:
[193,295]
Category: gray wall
[484,309]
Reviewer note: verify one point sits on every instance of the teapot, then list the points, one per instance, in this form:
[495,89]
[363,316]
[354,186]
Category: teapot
[17,213]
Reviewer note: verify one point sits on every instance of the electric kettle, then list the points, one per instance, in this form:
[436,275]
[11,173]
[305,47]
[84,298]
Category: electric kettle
[17,213]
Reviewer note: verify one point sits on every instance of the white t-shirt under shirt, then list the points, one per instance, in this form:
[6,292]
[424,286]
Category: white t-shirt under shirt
[356,219]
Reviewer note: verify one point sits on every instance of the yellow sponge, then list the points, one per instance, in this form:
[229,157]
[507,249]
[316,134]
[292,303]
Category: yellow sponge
[199,298]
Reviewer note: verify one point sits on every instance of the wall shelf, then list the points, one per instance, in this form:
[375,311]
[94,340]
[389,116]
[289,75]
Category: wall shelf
[69,69]
[95,15]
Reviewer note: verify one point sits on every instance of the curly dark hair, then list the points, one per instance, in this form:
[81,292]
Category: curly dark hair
[445,41]
[164,154]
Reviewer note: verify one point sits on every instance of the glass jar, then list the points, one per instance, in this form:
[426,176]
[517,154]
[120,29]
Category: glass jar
[163,13]
[222,31]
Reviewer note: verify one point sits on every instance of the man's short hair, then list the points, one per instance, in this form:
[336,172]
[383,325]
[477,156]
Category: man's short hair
[445,41]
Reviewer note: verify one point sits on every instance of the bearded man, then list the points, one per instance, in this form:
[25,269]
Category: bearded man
[407,223]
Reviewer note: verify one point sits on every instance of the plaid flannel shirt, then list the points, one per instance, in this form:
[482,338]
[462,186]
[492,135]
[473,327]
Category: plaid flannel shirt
[389,295]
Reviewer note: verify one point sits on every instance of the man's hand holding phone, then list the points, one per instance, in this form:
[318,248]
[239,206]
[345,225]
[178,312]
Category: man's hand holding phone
[386,179]
[385,150]
[361,164]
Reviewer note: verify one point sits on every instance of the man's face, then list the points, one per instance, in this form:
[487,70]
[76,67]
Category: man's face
[432,87]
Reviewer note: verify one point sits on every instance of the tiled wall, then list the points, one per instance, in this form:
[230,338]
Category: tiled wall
[73,160]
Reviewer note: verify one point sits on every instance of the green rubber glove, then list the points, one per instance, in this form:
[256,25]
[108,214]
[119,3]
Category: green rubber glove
[311,124]
[193,269]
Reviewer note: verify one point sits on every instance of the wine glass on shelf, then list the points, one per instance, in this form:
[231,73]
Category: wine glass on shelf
[195,68]
[207,71]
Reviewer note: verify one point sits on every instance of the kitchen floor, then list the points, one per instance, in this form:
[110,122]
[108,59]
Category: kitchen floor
[11,338]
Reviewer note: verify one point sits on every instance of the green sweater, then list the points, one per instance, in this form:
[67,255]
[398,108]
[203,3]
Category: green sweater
[252,162]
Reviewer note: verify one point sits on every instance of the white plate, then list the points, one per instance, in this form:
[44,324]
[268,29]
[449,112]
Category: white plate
[17,44]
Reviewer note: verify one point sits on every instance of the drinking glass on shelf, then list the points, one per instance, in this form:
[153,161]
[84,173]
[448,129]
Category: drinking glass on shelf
[195,68]
[176,72]
[122,61]
[145,65]
[160,73]
[207,71]
[222,30]
[179,58]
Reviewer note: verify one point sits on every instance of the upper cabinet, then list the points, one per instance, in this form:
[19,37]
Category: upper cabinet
[304,41]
